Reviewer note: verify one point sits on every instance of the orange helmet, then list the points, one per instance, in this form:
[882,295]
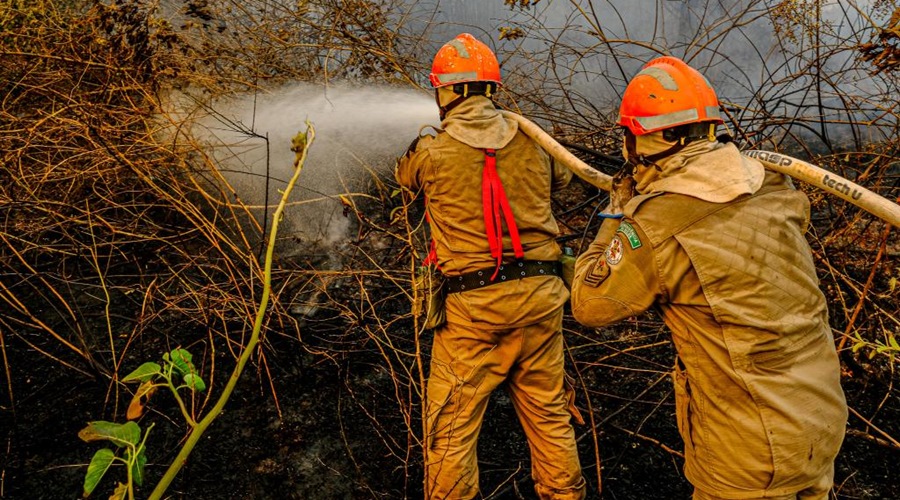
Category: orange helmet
[464,59]
[667,93]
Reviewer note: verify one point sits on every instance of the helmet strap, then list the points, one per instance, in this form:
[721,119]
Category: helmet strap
[465,91]
[450,105]
[681,136]
[635,159]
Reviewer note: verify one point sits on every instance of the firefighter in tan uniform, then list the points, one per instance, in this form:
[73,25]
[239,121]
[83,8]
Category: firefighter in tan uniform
[717,244]
[504,301]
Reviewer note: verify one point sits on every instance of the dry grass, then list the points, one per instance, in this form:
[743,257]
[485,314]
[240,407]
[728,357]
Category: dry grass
[122,238]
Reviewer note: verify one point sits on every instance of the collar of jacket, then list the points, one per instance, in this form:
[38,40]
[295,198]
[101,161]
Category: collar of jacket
[710,171]
[477,123]
[679,214]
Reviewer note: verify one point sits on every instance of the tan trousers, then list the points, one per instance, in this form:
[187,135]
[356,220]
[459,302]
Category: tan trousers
[821,490]
[466,366]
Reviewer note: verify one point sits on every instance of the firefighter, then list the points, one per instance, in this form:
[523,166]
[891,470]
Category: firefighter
[487,189]
[717,244]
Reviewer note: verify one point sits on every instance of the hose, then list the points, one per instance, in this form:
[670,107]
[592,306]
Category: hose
[825,180]
[831,183]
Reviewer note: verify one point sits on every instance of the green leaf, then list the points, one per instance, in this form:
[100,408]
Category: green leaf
[121,435]
[857,346]
[96,469]
[182,361]
[298,142]
[144,372]
[893,342]
[137,468]
[194,382]
[394,193]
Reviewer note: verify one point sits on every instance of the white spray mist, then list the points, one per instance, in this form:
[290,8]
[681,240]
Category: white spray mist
[359,131]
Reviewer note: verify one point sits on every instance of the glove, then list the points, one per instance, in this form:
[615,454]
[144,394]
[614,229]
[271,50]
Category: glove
[621,192]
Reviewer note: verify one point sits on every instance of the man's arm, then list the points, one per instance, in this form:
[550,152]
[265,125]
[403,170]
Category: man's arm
[410,168]
[616,278]
[561,175]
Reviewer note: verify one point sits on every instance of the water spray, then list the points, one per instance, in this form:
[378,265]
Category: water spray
[823,179]
[361,130]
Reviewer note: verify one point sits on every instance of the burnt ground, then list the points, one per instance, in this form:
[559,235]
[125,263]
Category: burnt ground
[323,418]
[337,431]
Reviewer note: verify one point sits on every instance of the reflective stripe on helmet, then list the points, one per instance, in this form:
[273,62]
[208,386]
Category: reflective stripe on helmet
[712,113]
[676,118]
[467,76]
[667,120]
[460,48]
[661,76]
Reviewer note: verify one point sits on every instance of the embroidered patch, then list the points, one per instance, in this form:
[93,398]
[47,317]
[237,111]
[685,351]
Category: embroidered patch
[599,271]
[631,233]
[614,251]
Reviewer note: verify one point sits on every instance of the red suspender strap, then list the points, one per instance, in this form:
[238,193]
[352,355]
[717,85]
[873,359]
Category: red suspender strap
[491,216]
[495,203]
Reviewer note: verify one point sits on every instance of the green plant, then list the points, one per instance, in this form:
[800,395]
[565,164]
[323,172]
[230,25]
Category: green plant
[176,372]
[300,144]
[890,348]
[126,437]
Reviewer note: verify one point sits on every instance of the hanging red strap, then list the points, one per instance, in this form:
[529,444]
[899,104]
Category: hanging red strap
[431,258]
[495,204]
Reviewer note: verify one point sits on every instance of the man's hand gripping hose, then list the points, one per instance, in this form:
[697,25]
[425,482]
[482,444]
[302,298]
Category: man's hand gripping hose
[621,190]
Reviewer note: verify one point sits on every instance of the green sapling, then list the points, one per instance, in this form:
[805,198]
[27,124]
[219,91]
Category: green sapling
[176,372]
[130,450]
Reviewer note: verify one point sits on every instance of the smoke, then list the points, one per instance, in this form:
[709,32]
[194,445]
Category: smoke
[359,133]
[790,72]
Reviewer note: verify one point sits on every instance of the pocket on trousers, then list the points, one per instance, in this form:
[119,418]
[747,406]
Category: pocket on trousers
[569,385]
[431,293]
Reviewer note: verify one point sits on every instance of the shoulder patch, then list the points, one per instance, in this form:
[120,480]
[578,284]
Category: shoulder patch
[598,272]
[614,251]
[630,233]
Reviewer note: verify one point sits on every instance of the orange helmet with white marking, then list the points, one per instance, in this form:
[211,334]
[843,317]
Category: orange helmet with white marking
[462,60]
[667,93]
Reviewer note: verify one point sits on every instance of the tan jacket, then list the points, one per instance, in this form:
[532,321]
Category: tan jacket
[447,169]
[758,395]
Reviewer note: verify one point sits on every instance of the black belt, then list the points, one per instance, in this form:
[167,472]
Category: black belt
[506,272]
